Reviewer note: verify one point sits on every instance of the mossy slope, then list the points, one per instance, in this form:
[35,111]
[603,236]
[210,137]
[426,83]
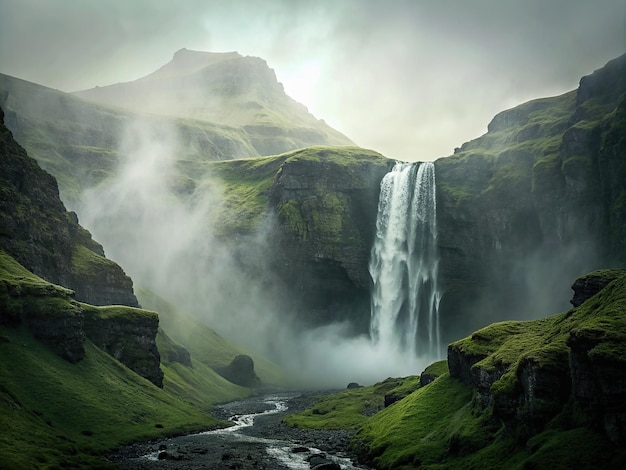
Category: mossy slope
[61,414]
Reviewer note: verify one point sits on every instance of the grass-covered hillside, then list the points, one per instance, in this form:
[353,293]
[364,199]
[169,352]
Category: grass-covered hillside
[61,411]
[66,411]
[207,348]
[546,393]
[81,143]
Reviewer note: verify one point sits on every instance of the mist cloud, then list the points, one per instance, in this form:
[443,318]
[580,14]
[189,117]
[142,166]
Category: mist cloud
[167,243]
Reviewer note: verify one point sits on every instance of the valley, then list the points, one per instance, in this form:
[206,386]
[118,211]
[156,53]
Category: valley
[196,238]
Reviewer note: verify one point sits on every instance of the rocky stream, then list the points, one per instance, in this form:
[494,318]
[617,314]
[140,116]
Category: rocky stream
[257,440]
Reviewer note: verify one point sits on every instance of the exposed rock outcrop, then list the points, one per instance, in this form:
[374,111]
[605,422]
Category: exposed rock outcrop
[48,311]
[46,239]
[527,372]
[589,285]
[240,371]
[129,335]
[326,202]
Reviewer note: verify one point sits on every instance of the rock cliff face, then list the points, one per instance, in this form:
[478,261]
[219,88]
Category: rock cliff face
[129,335]
[326,203]
[48,311]
[54,317]
[532,203]
[527,372]
[39,233]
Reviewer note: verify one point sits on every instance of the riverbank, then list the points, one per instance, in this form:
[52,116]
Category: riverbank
[267,444]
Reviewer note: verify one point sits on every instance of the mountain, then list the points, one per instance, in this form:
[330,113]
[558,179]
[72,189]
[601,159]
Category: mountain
[520,210]
[224,88]
[82,143]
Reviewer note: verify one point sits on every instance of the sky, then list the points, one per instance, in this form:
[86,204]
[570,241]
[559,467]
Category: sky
[412,79]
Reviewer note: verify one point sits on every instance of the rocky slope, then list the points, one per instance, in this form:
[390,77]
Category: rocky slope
[40,234]
[225,88]
[528,371]
[545,393]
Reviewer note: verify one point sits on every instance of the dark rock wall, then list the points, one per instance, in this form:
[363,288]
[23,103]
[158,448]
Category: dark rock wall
[536,201]
[128,335]
[326,211]
[41,235]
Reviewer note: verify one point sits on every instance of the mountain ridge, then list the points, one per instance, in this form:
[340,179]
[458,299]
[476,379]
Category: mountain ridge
[226,88]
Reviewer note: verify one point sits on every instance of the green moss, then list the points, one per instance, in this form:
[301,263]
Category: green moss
[416,431]
[437,368]
[128,315]
[351,408]
[290,215]
[56,413]
[87,263]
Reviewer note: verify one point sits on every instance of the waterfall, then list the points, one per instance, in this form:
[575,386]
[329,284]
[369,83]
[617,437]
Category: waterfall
[404,263]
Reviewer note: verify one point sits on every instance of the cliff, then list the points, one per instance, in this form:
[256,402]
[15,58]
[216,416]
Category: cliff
[40,234]
[528,372]
[54,317]
[128,335]
[43,245]
[546,393]
[533,202]
[326,200]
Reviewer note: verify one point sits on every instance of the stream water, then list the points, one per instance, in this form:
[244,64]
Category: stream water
[256,440]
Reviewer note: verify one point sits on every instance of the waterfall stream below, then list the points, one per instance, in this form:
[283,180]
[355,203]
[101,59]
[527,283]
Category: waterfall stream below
[256,440]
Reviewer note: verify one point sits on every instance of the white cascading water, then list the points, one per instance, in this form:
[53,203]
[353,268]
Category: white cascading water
[404,263]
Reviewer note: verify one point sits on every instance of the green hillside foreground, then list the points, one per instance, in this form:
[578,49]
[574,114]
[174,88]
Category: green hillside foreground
[55,414]
[446,424]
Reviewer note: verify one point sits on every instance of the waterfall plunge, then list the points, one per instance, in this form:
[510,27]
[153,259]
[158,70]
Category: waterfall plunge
[404,263]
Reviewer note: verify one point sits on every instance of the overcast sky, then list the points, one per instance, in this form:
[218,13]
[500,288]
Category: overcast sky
[410,78]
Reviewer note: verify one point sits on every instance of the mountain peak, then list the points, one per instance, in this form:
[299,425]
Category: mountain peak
[186,61]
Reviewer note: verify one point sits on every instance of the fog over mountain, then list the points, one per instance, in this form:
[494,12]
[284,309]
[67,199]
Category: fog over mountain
[410,79]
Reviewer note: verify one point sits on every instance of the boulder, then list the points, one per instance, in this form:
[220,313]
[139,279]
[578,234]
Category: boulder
[240,371]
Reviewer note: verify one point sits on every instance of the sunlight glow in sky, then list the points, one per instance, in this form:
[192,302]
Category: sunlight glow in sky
[412,79]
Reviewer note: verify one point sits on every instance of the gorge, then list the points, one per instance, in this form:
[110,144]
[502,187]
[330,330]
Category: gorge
[333,261]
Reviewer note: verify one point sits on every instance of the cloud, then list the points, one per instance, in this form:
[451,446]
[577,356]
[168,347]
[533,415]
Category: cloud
[412,79]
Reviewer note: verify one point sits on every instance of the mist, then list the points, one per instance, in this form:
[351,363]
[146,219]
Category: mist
[167,243]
